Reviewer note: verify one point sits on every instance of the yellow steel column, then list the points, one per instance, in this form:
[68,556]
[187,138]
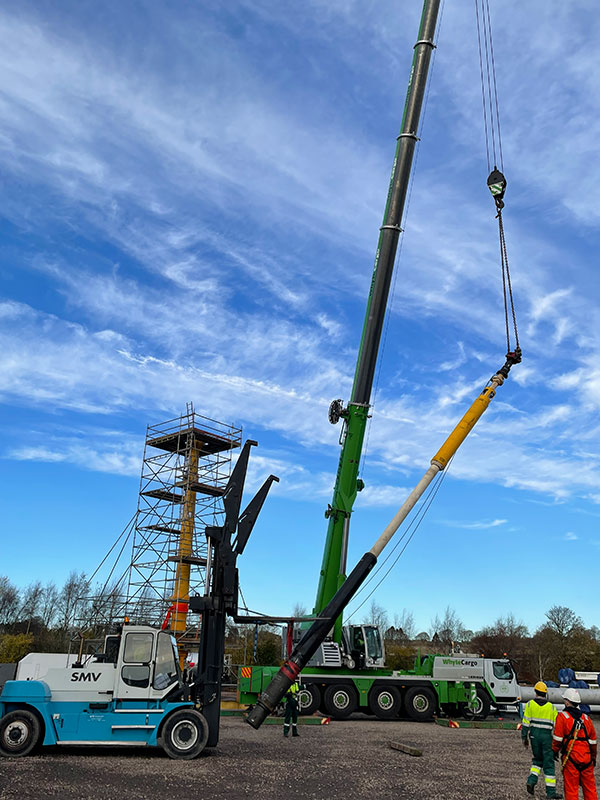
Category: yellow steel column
[181,593]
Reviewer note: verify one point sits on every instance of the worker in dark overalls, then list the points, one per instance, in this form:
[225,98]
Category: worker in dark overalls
[291,710]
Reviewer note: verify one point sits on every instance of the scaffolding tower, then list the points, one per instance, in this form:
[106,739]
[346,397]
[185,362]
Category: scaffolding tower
[186,466]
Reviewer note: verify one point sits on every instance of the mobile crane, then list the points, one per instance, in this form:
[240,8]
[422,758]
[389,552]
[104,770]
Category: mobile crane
[342,667]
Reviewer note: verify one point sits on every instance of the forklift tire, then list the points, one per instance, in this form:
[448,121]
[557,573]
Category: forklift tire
[20,733]
[385,701]
[184,734]
[309,699]
[340,701]
[420,703]
[483,706]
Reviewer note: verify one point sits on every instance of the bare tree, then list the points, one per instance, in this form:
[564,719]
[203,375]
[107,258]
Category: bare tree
[9,601]
[449,627]
[75,586]
[31,602]
[563,621]
[48,604]
[299,610]
[405,621]
[377,616]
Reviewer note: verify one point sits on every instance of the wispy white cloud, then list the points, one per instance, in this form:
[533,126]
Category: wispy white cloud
[479,525]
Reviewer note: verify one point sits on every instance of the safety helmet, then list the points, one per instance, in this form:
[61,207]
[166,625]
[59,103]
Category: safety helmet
[541,687]
[572,695]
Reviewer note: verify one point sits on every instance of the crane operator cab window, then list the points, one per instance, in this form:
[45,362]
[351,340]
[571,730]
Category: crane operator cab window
[373,639]
[137,658]
[502,671]
[167,665]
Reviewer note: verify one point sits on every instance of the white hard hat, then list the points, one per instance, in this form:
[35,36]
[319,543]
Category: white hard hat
[572,695]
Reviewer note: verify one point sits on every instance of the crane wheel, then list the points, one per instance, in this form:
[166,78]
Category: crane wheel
[184,734]
[340,700]
[385,701]
[20,733]
[482,706]
[309,699]
[420,703]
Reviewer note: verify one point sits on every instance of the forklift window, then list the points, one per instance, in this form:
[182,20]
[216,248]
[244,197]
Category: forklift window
[138,647]
[136,676]
[166,666]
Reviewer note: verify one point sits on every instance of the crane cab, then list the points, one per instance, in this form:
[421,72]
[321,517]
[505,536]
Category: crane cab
[364,646]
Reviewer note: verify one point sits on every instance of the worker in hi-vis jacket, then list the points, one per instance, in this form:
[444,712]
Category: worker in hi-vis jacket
[291,710]
[576,745]
[537,730]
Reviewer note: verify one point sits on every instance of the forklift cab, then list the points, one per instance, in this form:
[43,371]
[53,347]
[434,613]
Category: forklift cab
[364,643]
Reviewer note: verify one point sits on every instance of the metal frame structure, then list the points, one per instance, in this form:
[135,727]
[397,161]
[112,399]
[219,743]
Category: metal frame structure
[186,466]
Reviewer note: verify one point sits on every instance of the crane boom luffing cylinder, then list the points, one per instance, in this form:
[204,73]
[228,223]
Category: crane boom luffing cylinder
[355,416]
[319,630]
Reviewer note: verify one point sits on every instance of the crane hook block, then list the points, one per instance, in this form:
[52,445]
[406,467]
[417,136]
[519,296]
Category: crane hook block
[497,185]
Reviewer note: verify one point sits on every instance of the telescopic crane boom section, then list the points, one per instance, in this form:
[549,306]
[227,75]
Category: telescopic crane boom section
[355,416]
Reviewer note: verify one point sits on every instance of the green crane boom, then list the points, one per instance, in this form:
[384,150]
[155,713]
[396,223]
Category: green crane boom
[355,416]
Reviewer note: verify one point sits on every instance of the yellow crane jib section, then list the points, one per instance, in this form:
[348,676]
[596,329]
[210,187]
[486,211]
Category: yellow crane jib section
[464,427]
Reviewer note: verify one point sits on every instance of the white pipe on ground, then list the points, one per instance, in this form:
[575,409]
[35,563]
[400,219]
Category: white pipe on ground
[555,695]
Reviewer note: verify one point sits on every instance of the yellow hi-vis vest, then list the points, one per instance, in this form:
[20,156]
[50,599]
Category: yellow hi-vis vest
[539,717]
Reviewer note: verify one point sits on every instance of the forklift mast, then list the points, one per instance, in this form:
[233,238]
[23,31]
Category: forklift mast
[225,543]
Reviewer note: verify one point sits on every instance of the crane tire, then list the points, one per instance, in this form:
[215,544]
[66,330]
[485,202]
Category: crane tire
[420,703]
[340,700]
[483,706]
[184,734]
[385,701]
[309,699]
[20,733]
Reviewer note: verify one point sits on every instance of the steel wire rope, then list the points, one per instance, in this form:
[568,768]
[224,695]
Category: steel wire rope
[416,522]
[485,121]
[489,85]
[493,60]
[490,97]
[381,564]
[399,253]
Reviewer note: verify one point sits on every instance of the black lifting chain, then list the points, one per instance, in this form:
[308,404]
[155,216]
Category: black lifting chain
[497,186]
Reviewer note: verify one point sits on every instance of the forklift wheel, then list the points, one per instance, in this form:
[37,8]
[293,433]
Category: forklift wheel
[184,734]
[19,733]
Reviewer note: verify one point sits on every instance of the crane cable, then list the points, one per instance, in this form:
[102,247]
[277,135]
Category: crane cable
[497,185]
[496,181]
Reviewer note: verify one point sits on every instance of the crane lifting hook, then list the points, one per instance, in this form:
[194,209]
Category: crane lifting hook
[497,185]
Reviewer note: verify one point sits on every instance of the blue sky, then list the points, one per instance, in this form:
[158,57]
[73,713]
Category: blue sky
[189,207]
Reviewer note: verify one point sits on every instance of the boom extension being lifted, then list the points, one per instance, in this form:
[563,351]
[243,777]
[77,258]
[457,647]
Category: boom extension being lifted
[319,630]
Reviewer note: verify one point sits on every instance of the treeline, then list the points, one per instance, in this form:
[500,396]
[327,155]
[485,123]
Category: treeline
[38,618]
[42,618]
[562,640]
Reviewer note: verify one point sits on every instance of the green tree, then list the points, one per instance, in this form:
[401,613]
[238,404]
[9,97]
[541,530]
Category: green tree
[13,646]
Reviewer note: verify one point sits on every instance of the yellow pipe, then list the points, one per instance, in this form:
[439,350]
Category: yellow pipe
[440,460]
[464,427]
[181,591]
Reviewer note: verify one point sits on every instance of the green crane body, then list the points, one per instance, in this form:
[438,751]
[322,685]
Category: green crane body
[355,416]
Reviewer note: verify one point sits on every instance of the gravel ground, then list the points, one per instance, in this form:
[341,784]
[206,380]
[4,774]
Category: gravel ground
[350,760]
